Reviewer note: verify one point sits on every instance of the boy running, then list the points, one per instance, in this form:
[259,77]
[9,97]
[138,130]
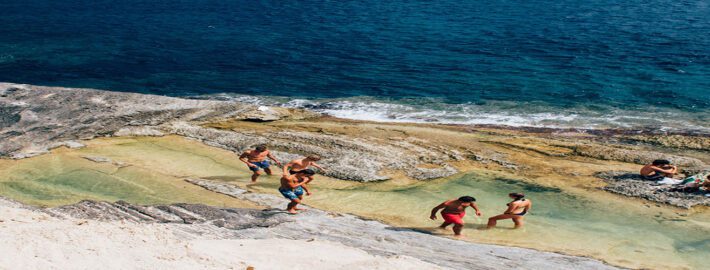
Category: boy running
[256,160]
[454,211]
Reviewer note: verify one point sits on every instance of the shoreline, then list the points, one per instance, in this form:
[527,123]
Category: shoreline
[427,151]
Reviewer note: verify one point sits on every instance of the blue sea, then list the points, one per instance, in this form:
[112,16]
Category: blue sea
[575,64]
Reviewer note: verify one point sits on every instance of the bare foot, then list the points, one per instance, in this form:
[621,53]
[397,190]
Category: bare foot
[299,209]
[292,211]
[458,235]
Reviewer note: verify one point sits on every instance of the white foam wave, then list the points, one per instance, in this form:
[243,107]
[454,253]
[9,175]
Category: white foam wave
[491,113]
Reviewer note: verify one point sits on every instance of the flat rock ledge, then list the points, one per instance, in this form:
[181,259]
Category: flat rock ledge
[36,119]
[371,236]
[631,184]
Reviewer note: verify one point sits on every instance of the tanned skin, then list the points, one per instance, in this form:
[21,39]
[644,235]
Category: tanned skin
[257,155]
[515,207]
[302,164]
[453,207]
[665,170]
[292,182]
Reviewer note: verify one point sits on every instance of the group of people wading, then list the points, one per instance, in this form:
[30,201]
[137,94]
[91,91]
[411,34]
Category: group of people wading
[297,174]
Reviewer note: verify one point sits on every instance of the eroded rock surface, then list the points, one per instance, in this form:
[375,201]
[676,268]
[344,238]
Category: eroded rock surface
[634,155]
[347,158]
[38,118]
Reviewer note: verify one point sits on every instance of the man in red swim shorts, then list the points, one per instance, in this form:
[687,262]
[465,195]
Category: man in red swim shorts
[454,211]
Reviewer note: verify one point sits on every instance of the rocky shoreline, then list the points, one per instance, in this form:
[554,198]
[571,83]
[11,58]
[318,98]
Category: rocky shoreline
[37,119]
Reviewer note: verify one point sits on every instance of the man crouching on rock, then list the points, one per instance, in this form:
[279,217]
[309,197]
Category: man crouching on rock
[454,211]
[292,187]
[256,160]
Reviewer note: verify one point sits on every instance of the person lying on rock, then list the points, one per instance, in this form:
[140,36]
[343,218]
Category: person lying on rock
[256,160]
[454,211]
[516,211]
[292,186]
[658,170]
[298,165]
[692,184]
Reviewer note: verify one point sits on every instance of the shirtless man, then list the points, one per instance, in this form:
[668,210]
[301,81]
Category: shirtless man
[454,211]
[658,170]
[256,160]
[516,210]
[298,165]
[292,186]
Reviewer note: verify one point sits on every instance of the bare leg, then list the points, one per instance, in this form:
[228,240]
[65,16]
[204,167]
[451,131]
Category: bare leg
[457,229]
[291,208]
[268,171]
[518,222]
[444,225]
[300,198]
[255,176]
[494,220]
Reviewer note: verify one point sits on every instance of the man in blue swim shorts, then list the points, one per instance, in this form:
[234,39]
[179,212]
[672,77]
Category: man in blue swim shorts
[256,160]
[292,188]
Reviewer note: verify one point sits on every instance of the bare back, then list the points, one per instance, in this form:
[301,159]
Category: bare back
[648,170]
[521,206]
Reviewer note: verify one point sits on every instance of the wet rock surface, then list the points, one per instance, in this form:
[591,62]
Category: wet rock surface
[631,184]
[371,236]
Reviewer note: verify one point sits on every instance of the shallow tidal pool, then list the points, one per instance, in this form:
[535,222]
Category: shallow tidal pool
[625,232]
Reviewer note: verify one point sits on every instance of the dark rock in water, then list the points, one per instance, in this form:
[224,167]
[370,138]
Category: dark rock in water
[631,184]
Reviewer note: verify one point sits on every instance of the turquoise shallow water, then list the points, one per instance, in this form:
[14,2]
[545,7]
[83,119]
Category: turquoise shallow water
[597,63]
[621,231]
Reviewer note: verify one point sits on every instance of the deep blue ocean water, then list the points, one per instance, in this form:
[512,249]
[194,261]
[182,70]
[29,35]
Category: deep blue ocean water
[598,63]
